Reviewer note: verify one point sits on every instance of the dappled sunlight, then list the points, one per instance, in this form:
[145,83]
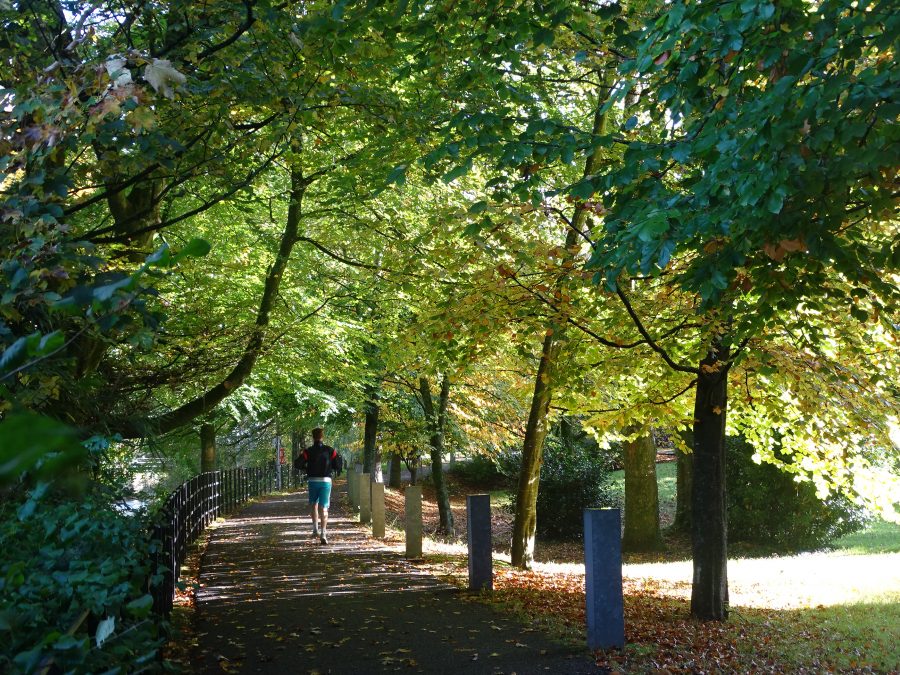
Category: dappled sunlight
[273,599]
[789,582]
[234,573]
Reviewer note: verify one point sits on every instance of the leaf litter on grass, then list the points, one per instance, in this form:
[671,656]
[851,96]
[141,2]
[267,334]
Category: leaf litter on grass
[777,629]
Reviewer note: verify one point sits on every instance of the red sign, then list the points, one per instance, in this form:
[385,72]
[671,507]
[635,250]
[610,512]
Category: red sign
[281,456]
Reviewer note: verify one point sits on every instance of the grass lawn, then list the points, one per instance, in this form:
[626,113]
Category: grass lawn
[879,536]
[830,611]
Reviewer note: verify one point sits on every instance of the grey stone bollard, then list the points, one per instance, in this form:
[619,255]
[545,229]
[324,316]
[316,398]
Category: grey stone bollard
[365,499]
[351,490]
[354,498]
[478,516]
[603,578]
[378,510]
[414,521]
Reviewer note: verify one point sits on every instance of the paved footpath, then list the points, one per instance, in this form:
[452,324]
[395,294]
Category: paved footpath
[273,600]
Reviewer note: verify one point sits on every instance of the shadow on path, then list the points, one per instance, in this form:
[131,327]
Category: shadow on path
[273,600]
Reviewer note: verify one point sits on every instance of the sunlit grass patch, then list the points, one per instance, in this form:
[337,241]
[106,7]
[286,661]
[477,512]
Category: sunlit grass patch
[879,536]
[855,637]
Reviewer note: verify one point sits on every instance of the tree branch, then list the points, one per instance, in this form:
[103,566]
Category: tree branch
[650,341]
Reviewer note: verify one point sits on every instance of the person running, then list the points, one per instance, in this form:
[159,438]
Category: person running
[320,461]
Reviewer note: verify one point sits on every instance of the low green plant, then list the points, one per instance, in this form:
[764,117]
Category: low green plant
[573,478]
[767,507]
[479,470]
[73,576]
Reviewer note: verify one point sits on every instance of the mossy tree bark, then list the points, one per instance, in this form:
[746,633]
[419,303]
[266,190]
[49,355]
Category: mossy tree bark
[436,419]
[207,447]
[641,496]
[525,524]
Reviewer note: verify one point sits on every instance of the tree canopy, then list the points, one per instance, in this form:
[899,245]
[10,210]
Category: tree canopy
[460,219]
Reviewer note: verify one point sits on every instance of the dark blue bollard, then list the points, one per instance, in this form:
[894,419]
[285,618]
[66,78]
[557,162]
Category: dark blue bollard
[478,514]
[603,578]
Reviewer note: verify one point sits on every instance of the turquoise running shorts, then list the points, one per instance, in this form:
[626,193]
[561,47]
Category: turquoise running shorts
[320,492]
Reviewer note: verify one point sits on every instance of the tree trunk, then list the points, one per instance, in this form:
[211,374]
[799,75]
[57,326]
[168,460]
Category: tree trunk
[377,473]
[395,479]
[371,456]
[436,421]
[207,447]
[709,594]
[684,485]
[641,496]
[525,523]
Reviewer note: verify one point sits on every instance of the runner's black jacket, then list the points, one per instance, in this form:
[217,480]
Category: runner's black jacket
[319,460]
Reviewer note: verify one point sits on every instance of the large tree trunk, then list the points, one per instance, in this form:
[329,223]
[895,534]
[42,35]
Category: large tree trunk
[641,496]
[207,447]
[134,428]
[684,484]
[395,479]
[436,422]
[371,454]
[709,594]
[525,523]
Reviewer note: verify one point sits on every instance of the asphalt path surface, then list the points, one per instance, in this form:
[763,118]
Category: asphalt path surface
[274,600]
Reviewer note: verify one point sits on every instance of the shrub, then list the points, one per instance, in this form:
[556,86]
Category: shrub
[58,559]
[573,478]
[768,508]
[479,470]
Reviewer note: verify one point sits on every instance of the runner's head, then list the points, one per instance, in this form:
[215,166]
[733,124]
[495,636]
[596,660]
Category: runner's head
[318,434]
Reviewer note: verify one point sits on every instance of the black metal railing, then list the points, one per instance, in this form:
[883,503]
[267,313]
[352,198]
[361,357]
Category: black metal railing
[194,505]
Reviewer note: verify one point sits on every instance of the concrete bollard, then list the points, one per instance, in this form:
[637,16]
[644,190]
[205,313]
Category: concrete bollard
[603,578]
[478,516]
[365,499]
[378,510]
[354,498]
[351,491]
[414,521]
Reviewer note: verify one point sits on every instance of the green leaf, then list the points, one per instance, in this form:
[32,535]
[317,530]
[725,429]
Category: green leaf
[774,202]
[397,175]
[104,293]
[13,354]
[140,607]
[582,190]
[28,438]
[195,248]
[461,170]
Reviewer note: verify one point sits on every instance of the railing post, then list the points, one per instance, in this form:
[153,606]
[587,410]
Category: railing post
[189,509]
